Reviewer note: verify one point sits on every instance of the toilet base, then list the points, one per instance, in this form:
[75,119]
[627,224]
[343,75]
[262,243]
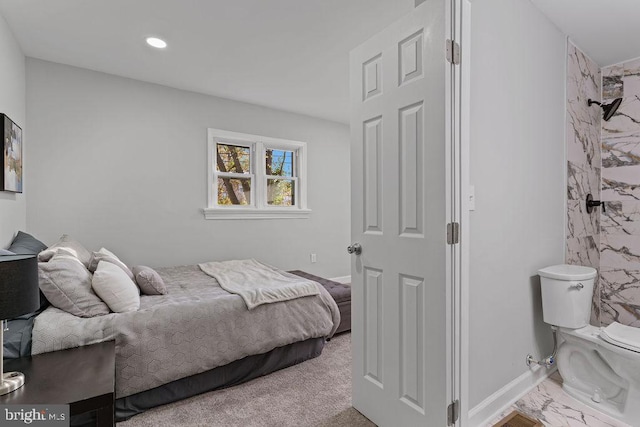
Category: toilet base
[603,406]
[599,374]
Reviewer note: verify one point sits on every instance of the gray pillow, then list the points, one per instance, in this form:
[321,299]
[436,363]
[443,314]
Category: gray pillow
[4,252]
[108,256]
[71,245]
[17,337]
[26,244]
[66,283]
[149,281]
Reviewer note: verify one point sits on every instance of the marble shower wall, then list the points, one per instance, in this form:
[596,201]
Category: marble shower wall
[583,168]
[620,224]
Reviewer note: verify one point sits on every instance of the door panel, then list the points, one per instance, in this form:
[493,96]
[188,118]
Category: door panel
[374,340]
[400,208]
[411,154]
[372,156]
[412,341]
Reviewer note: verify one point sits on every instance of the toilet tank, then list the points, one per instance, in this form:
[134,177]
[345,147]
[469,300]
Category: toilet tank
[567,291]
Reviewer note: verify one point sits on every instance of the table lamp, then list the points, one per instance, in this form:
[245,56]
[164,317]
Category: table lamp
[19,294]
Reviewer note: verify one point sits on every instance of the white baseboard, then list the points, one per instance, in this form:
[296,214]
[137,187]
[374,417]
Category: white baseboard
[487,410]
[342,279]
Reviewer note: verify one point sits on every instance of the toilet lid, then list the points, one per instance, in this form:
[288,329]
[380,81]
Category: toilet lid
[622,336]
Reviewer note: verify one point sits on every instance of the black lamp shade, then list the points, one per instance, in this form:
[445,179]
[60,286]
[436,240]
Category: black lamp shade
[19,291]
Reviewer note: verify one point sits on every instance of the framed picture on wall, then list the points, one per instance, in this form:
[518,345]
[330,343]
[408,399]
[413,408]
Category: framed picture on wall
[11,178]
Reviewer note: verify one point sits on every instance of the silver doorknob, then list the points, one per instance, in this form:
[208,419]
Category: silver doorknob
[356,248]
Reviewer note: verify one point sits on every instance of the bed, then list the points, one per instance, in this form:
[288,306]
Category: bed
[192,337]
[196,338]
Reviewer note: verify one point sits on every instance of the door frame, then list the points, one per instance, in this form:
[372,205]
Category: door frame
[460,115]
[463,123]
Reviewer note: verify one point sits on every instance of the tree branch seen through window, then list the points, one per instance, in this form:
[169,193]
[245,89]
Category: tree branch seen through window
[280,191]
[236,161]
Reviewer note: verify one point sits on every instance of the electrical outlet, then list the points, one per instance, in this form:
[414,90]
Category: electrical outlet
[314,258]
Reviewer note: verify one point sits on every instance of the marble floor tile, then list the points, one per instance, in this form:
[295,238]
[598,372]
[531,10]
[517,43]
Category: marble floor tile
[554,408]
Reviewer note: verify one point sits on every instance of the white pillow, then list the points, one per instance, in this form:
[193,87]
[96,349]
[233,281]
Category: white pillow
[115,288]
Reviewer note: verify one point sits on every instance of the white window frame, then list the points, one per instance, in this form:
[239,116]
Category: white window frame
[258,209]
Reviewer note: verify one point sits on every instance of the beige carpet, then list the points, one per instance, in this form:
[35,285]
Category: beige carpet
[314,393]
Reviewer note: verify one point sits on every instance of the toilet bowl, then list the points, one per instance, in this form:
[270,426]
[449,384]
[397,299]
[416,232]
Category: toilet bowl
[599,366]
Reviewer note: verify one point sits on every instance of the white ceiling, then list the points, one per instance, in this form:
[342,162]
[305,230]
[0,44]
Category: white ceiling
[607,30]
[286,54]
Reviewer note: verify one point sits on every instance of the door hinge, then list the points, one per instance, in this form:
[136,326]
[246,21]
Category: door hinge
[453,52]
[453,412]
[453,233]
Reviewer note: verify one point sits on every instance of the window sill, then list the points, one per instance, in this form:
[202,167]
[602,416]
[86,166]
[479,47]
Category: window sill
[230,213]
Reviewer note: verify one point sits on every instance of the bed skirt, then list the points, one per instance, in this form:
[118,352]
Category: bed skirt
[234,373]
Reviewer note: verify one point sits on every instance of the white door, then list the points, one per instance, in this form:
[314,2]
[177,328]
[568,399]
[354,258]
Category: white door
[401,173]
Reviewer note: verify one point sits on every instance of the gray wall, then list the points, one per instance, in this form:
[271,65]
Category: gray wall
[517,167]
[12,103]
[123,164]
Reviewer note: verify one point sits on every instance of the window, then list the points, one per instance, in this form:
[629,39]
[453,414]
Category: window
[252,176]
[281,179]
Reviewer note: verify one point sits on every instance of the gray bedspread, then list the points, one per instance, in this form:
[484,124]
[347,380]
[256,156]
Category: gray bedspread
[197,326]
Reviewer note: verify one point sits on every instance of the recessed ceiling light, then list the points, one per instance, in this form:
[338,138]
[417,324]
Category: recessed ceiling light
[156,42]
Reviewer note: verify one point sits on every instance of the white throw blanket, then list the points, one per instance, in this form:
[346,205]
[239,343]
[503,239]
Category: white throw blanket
[258,283]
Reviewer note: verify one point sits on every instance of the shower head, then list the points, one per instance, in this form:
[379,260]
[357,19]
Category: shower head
[608,110]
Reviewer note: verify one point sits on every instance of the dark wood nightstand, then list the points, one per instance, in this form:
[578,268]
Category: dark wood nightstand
[83,378]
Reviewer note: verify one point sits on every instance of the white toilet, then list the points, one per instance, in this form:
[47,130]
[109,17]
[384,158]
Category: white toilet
[599,366]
